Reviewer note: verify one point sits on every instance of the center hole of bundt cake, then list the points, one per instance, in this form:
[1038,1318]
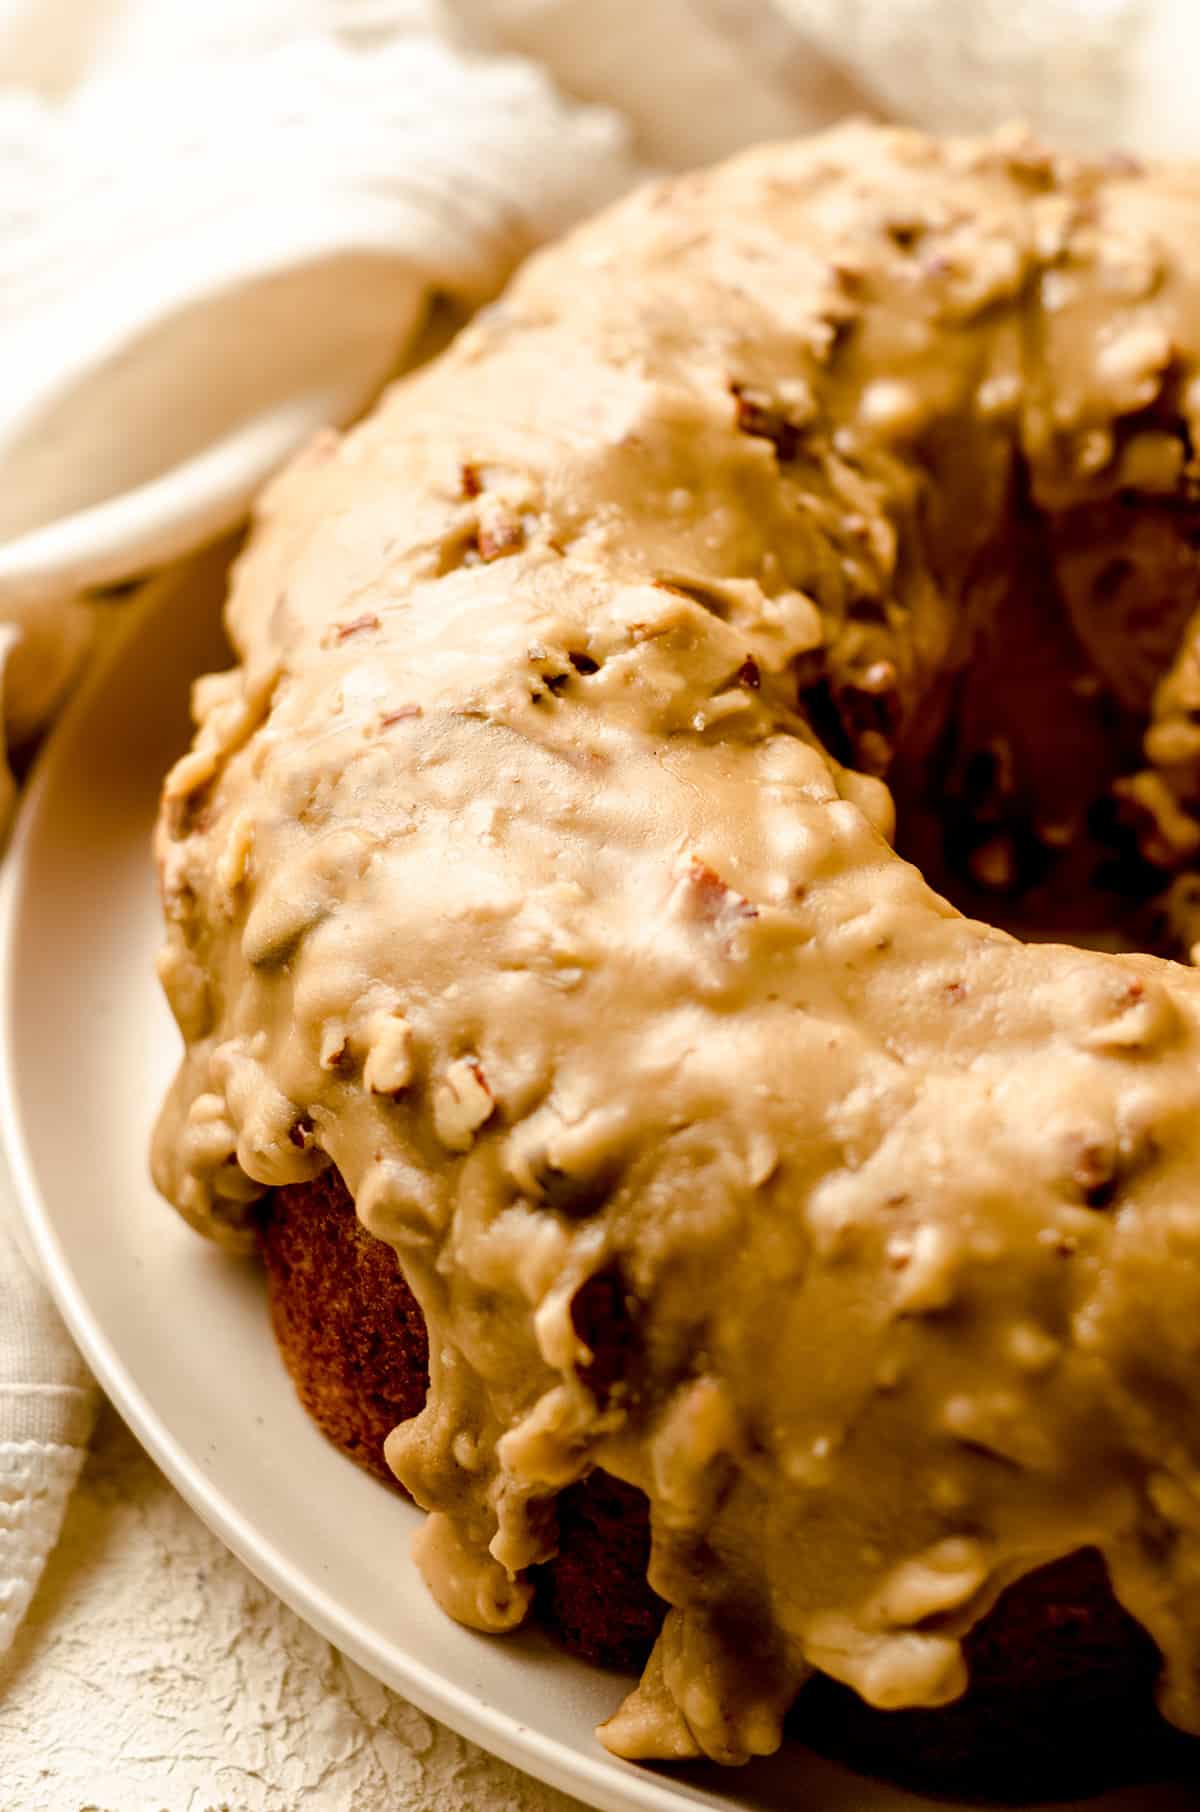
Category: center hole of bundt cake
[1027,808]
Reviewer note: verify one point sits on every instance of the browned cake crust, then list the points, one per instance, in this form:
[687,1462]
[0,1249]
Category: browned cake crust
[1061,1695]
[345,1320]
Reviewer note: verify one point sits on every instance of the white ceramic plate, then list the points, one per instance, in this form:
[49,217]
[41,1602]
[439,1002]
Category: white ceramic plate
[177,1332]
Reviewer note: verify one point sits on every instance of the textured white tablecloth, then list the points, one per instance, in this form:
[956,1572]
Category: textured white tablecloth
[155,1674]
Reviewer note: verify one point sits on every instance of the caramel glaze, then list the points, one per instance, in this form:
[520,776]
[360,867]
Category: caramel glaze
[508,873]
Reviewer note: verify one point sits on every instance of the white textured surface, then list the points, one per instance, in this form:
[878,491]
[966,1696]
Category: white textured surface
[154,1674]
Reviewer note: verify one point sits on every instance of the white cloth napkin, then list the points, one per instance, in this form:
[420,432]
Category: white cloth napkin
[47,1405]
[221,224]
[1091,74]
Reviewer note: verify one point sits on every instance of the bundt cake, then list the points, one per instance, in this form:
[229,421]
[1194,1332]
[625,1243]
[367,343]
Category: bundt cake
[737,1248]
[1060,1694]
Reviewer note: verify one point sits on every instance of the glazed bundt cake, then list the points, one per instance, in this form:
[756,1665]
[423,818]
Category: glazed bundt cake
[1060,1694]
[733,1245]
